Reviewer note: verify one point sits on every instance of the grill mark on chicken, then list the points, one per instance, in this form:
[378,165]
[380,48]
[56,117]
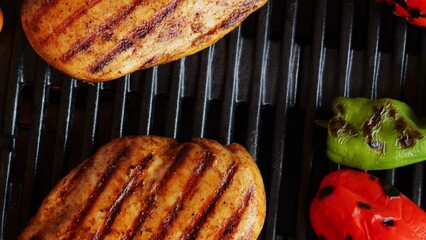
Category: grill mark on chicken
[236,16]
[95,194]
[46,5]
[140,219]
[69,20]
[115,208]
[85,43]
[206,161]
[191,231]
[236,217]
[65,191]
[130,233]
[137,34]
[149,62]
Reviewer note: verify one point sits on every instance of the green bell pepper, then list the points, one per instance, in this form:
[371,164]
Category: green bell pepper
[374,134]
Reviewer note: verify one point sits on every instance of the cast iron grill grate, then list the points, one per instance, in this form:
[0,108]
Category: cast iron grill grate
[263,85]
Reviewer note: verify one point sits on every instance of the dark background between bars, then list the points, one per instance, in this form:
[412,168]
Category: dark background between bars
[263,86]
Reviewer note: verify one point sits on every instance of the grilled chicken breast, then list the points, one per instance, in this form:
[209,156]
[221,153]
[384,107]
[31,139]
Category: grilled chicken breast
[155,188]
[99,40]
[1,19]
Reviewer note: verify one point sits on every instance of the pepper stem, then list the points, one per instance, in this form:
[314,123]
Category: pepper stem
[321,123]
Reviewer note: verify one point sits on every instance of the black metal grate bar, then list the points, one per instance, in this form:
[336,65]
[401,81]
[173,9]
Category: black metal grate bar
[36,135]
[231,89]
[373,54]
[399,59]
[175,101]
[91,119]
[286,98]
[346,52]
[418,177]
[258,83]
[314,100]
[148,101]
[120,107]
[63,135]
[14,81]
[204,95]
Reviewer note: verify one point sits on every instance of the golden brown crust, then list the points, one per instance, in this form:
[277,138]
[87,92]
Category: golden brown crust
[155,188]
[1,19]
[100,40]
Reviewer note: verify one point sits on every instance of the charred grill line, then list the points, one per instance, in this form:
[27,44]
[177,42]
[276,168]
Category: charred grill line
[137,34]
[67,189]
[85,43]
[130,234]
[115,208]
[235,16]
[43,9]
[236,217]
[95,194]
[238,15]
[194,179]
[70,20]
[192,231]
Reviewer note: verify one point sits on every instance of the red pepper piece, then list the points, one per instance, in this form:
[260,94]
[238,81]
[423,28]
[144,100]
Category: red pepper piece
[356,205]
[414,11]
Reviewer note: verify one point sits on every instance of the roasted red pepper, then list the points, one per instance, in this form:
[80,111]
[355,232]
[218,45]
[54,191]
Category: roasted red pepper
[356,205]
[414,11]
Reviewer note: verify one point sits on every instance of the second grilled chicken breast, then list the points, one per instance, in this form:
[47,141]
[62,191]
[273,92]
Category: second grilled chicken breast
[99,40]
[155,188]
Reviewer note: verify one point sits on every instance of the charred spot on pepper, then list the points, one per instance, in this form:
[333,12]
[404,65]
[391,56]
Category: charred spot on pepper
[325,192]
[376,145]
[414,134]
[389,189]
[376,118]
[389,222]
[338,125]
[414,13]
[409,138]
[392,113]
[406,141]
[400,125]
[364,205]
[372,124]
[348,237]
[340,108]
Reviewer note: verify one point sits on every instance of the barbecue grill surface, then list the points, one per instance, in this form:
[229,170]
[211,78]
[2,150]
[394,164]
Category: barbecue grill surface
[263,86]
